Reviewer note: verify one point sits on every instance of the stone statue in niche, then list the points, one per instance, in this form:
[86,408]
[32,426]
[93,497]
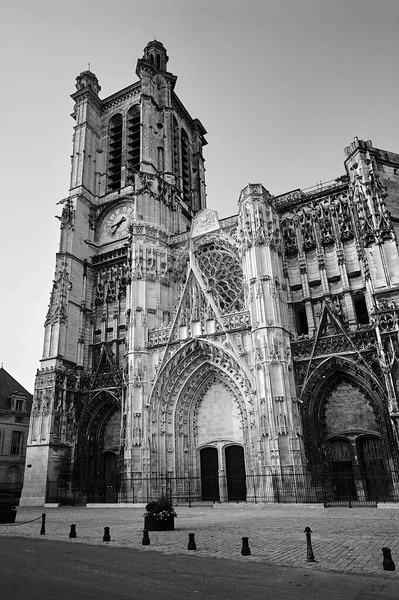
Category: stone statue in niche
[151,264]
[324,215]
[306,223]
[139,263]
[289,237]
[36,403]
[344,219]
[259,226]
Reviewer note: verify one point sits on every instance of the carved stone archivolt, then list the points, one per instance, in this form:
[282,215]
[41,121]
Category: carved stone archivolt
[321,383]
[183,377]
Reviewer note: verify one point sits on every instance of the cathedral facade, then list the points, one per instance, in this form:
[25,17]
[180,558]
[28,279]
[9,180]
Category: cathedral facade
[245,356]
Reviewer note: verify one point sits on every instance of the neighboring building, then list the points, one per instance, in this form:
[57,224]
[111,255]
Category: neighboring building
[15,406]
[248,357]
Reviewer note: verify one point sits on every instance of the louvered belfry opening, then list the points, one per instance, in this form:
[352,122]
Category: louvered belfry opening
[133,140]
[185,164]
[115,153]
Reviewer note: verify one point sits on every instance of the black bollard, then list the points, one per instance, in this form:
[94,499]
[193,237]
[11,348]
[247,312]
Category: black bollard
[146,538]
[245,551]
[387,563]
[106,536]
[191,542]
[309,549]
[43,528]
[72,533]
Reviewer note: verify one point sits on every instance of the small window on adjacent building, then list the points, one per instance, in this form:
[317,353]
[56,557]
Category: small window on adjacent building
[359,304]
[301,321]
[19,405]
[16,442]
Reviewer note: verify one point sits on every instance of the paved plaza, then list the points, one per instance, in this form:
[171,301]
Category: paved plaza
[343,539]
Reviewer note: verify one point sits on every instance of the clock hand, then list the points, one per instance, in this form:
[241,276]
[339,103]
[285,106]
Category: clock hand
[118,224]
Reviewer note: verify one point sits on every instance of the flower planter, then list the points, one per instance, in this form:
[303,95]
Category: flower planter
[153,524]
[7,516]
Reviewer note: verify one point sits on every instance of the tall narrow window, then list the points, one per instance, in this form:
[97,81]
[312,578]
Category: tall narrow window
[16,442]
[301,321]
[115,153]
[175,135]
[133,140]
[185,166]
[161,160]
[360,307]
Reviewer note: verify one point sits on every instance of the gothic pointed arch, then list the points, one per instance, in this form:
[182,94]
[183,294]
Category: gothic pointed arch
[175,405]
[98,433]
[343,399]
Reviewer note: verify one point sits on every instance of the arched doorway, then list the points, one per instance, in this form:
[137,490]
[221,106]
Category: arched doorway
[348,433]
[235,473]
[210,474]
[96,468]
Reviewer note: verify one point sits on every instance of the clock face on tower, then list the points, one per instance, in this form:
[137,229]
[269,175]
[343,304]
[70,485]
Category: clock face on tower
[118,220]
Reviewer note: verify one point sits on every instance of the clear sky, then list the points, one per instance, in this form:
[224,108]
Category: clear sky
[281,86]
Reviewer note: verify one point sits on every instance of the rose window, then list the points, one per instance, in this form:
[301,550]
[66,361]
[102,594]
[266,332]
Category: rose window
[223,275]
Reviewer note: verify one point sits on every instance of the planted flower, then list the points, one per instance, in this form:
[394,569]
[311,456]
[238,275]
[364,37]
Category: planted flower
[159,514]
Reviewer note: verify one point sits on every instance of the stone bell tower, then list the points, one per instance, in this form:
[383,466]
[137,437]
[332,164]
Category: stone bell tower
[137,178]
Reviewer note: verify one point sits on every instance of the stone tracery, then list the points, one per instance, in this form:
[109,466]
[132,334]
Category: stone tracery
[223,274]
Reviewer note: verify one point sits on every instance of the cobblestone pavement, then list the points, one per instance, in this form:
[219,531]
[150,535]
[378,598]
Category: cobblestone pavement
[343,539]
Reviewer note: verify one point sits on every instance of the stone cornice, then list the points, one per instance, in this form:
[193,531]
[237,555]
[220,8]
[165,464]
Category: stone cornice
[121,96]
[298,196]
[86,94]
[183,112]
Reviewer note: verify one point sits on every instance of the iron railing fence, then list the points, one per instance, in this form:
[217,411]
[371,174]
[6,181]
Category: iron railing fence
[339,488]
[12,489]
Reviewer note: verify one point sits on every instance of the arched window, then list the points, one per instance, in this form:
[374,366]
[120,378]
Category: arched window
[133,140]
[13,474]
[175,158]
[152,58]
[185,166]
[158,61]
[115,153]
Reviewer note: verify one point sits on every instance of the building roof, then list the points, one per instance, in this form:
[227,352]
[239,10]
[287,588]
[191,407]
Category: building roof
[8,387]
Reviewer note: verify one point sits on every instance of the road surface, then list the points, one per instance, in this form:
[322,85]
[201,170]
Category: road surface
[40,569]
